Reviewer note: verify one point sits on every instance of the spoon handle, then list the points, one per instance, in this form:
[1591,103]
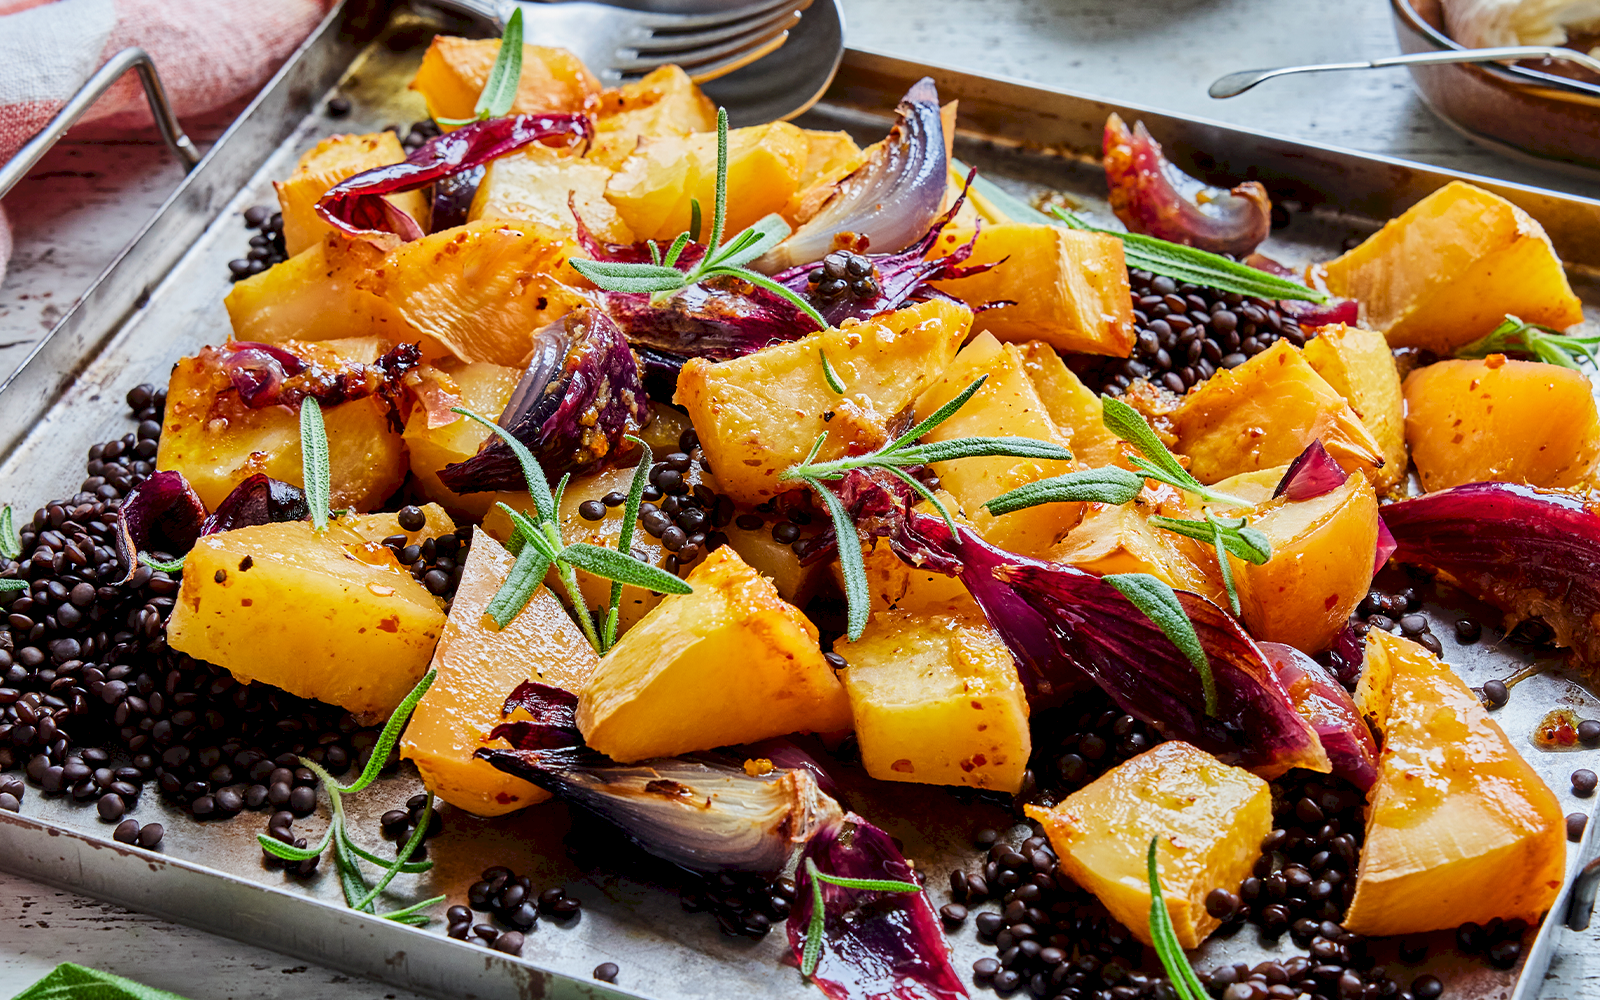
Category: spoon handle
[1235,84]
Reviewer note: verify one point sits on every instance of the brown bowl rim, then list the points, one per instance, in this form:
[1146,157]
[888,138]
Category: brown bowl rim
[1550,85]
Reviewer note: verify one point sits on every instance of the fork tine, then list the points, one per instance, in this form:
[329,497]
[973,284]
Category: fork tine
[706,73]
[659,43]
[692,59]
[695,22]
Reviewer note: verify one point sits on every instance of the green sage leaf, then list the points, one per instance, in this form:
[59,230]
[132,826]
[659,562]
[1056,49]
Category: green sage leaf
[1110,485]
[315,470]
[500,90]
[169,566]
[1543,342]
[1200,267]
[411,914]
[812,952]
[524,579]
[10,541]
[9,585]
[1160,604]
[762,236]
[630,520]
[69,981]
[938,416]
[853,565]
[873,884]
[1243,541]
[614,565]
[694,219]
[616,276]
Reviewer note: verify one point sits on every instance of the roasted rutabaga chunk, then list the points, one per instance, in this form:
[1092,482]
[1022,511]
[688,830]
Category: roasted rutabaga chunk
[217,441]
[936,700]
[1264,413]
[1502,420]
[1459,827]
[454,71]
[1210,818]
[1449,270]
[325,615]
[1065,287]
[1359,366]
[478,666]
[759,414]
[330,161]
[730,663]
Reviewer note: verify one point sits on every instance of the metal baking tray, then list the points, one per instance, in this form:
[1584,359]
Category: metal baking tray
[163,298]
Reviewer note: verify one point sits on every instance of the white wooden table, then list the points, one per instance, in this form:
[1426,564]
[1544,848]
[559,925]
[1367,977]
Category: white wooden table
[84,202]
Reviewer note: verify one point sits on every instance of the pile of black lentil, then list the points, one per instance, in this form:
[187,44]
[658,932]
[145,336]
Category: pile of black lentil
[1185,333]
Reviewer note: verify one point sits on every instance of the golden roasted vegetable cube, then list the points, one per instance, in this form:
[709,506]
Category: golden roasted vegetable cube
[326,615]
[437,438]
[936,700]
[533,185]
[1509,421]
[830,158]
[1072,406]
[454,70]
[729,663]
[217,442]
[337,158]
[1321,566]
[478,665]
[893,584]
[386,524]
[1006,406]
[1459,827]
[759,414]
[481,290]
[1120,539]
[1449,270]
[1264,413]
[664,103]
[1360,367]
[652,191]
[796,583]
[1069,288]
[1210,818]
[316,295]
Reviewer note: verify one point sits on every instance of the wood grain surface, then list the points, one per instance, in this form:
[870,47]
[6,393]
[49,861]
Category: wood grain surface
[85,201]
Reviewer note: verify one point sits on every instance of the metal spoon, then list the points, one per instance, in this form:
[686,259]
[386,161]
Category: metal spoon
[1235,84]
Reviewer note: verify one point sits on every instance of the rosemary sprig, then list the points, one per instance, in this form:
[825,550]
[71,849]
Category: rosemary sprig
[500,89]
[315,470]
[1200,267]
[536,543]
[1543,342]
[829,375]
[1160,604]
[894,458]
[170,566]
[346,853]
[1164,937]
[811,954]
[663,275]
[630,518]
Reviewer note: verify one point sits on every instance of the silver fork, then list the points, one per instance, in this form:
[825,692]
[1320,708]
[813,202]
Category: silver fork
[619,44]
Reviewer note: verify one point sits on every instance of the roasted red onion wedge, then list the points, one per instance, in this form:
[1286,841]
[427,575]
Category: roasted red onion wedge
[356,205]
[1386,546]
[258,500]
[886,204]
[1322,701]
[268,375]
[1065,626]
[875,945]
[580,395]
[163,506]
[1310,475]
[700,816]
[1529,552]
[1309,315]
[1153,197]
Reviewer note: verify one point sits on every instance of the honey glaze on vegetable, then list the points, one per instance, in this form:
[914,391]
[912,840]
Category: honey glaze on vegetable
[1557,731]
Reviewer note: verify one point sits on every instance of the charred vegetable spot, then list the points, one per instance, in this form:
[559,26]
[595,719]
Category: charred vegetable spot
[670,789]
[390,624]
[221,576]
[903,766]
[245,602]
[246,563]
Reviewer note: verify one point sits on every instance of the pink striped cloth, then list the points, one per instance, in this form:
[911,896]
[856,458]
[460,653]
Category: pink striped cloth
[210,54]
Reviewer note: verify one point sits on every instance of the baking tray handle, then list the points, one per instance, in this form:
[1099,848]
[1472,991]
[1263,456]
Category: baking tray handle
[160,109]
